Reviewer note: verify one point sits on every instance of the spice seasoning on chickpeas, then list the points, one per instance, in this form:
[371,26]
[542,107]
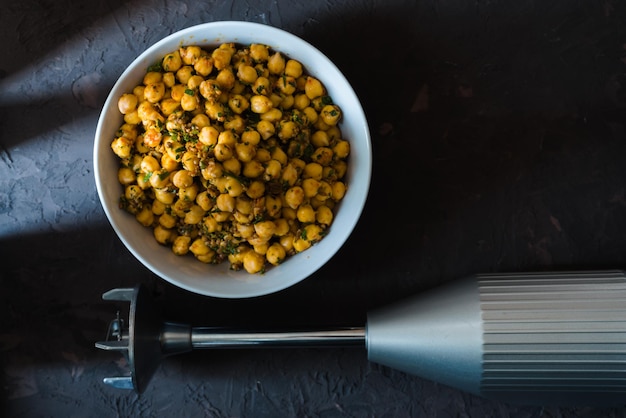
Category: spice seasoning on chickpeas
[231,154]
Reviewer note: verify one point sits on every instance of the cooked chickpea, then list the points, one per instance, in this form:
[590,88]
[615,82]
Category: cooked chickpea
[163,235]
[276,63]
[127,103]
[181,245]
[260,104]
[126,176]
[305,214]
[294,197]
[313,88]
[275,254]
[253,262]
[172,61]
[324,215]
[293,68]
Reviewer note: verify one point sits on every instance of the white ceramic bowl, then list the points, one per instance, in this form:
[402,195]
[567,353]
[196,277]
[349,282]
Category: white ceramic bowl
[220,280]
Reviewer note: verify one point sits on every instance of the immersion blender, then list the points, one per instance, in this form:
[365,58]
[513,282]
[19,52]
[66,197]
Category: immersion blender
[529,338]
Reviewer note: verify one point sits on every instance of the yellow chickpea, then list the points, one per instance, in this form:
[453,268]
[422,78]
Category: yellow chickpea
[194,215]
[341,149]
[256,189]
[233,187]
[126,176]
[132,118]
[211,224]
[159,179]
[276,63]
[300,244]
[182,179]
[287,130]
[294,197]
[272,169]
[286,84]
[200,121]
[208,135]
[311,115]
[199,247]
[338,191]
[253,262]
[305,214]
[189,54]
[282,227]
[215,111]
[169,106]
[152,77]
[221,58]
[301,101]
[184,73]
[313,88]
[149,164]
[286,241]
[164,196]
[251,137]
[293,68]
[260,104]
[313,171]
[247,74]
[275,254]
[273,206]
[331,114]
[127,103]
[320,139]
[253,169]
[204,65]
[312,233]
[238,103]
[169,79]
[172,61]
[289,175]
[180,246]
[223,152]
[324,215]
[265,229]
[190,162]
[226,79]
[259,53]
[210,90]
[311,187]
[122,147]
[158,208]
[225,202]
[266,129]
[323,156]
[178,91]
[262,155]
[262,85]
[204,201]
[145,216]
[188,194]
[273,115]
[163,235]
[189,102]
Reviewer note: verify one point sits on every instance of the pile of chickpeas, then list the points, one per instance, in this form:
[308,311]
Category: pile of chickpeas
[231,153]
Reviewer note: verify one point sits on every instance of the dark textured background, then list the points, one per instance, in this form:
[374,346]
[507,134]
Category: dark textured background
[498,137]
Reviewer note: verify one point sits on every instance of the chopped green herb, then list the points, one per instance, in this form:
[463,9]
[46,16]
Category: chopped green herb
[189,92]
[156,67]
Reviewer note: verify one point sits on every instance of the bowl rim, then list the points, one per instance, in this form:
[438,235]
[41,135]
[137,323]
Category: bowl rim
[358,202]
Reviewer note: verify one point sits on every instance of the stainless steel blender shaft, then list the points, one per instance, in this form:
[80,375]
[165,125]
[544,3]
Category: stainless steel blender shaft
[531,338]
